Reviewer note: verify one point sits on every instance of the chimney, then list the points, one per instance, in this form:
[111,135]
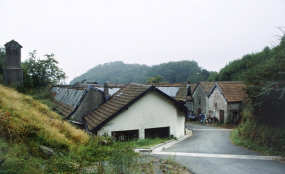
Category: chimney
[84,81]
[106,90]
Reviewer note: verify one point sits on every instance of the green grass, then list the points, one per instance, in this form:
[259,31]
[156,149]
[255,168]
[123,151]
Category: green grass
[146,142]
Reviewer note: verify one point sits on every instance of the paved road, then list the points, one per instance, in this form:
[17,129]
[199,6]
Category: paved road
[209,150]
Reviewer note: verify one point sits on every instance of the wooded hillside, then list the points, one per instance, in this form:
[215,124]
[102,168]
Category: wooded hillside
[119,72]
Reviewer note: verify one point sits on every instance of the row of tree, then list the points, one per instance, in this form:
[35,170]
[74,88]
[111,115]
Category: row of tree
[266,87]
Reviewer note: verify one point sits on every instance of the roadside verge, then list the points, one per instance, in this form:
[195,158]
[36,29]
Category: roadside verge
[165,145]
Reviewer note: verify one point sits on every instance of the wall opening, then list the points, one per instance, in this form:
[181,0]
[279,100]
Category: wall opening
[199,111]
[125,135]
[161,132]
[222,116]
[233,117]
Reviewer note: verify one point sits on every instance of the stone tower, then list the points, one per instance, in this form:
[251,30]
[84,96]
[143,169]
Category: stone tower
[13,72]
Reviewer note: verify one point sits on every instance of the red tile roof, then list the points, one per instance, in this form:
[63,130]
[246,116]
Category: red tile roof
[232,91]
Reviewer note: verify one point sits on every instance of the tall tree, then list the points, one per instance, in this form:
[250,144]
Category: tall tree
[42,73]
[266,88]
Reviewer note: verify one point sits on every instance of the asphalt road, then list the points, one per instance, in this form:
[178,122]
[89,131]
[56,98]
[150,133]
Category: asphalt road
[209,150]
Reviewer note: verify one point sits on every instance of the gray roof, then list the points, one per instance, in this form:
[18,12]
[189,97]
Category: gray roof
[68,96]
[171,91]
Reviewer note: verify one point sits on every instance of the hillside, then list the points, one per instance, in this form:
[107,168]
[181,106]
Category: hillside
[119,72]
[235,70]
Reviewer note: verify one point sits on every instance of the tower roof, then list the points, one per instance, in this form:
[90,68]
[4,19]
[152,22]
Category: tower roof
[13,45]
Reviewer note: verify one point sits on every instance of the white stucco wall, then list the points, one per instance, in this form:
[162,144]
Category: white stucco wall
[151,111]
[217,97]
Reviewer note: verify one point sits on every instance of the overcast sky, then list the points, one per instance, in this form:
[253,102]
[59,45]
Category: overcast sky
[83,34]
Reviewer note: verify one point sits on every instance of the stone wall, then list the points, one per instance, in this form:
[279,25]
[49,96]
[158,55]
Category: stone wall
[13,72]
[200,100]
[217,102]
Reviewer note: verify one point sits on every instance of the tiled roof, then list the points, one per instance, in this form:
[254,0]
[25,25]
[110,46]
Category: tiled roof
[115,104]
[182,92]
[207,86]
[232,91]
[118,103]
[63,108]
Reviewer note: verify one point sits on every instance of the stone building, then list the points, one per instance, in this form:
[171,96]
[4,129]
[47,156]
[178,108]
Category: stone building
[13,72]
[200,97]
[226,100]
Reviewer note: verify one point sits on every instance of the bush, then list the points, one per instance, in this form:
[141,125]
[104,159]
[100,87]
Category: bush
[259,137]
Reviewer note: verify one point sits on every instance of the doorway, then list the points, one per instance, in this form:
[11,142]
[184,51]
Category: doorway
[199,112]
[222,112]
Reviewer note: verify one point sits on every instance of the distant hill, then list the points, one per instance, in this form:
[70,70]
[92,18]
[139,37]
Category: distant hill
[119,72]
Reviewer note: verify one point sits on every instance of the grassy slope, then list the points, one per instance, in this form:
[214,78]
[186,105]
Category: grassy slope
[24,125]
[23,118]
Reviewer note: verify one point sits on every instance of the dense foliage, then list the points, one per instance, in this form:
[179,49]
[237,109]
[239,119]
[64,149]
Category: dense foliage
[41,73]
[235,70]
[118,72]
[264,124]
[266,88]
[156,79]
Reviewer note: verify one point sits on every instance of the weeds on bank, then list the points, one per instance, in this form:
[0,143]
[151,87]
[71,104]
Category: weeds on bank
[260,138]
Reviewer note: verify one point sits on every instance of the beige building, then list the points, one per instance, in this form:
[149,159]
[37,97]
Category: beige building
[138,111]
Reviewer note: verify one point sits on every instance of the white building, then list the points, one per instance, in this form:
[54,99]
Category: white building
[138,111]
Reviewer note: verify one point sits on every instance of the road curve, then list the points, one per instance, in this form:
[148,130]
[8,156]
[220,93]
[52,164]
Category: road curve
[209,150]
